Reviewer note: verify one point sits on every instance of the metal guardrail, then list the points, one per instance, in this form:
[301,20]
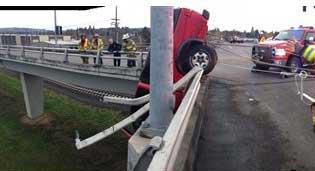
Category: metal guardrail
[65,54]
[164,158]
[196,71]
[144,99]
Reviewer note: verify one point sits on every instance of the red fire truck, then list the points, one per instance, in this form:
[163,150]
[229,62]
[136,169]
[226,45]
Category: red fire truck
[190,49]
[274,51]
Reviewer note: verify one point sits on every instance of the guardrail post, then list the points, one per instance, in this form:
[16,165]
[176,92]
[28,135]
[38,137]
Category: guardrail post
[41,56]
[142,60]
[66,59]
[8,51]
[161,72]
[139,65]
[98,57]
[23,52]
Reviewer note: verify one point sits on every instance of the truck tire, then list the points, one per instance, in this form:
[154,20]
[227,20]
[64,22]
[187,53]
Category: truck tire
[199,55]
[292,62]
[261,67]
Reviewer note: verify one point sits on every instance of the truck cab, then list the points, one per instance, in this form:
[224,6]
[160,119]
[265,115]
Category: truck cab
[275,51]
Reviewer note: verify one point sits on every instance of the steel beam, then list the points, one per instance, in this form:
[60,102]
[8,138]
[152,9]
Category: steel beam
[32,87]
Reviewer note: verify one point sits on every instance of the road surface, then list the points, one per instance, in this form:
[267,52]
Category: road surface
[254,121]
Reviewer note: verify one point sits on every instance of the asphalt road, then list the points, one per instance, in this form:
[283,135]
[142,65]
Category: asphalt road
[254,121]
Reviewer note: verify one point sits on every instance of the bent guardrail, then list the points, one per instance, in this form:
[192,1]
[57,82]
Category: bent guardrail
[197,72]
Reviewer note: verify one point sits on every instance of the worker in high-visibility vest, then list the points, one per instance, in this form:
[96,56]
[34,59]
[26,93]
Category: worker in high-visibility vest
[309,53]
[97,44]
[84,45]
[304,53]
[129,46]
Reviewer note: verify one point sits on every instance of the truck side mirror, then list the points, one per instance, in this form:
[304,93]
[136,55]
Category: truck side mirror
[206,14]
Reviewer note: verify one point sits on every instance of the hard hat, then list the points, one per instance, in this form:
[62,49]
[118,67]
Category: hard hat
[96,35]
[125,36]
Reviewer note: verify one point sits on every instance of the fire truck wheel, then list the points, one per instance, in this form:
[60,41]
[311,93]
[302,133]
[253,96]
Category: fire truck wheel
[200,55]
[292,63]
[261,67]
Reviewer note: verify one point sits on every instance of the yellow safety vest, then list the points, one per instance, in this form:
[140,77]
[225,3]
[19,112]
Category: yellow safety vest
[85,45]
[309,53]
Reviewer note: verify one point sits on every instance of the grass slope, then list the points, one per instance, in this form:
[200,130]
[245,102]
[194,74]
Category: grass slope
[51,147]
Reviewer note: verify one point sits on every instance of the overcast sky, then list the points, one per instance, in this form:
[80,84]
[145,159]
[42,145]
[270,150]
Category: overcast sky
[241,15]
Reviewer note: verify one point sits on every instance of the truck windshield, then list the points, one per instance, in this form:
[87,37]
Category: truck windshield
[290,34]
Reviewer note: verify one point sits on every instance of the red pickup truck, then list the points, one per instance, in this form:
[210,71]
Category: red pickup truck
[190,49]
[274,51]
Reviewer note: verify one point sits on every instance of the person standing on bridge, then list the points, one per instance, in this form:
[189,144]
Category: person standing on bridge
[97,44]
[84,45]
[115,48]
[129,46]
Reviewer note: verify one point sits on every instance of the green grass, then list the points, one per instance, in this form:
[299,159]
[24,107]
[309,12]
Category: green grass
[51,147]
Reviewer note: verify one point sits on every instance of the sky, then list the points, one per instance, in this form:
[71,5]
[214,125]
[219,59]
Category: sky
[270,15]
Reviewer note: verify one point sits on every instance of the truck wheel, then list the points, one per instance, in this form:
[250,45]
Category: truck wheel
[261,67]
[199,55]
[293,64]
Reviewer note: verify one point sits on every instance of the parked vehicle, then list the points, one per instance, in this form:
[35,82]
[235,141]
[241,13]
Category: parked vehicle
[236,39]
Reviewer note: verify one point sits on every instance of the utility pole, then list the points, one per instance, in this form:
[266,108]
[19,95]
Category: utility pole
[115,23]
[161,72]
[55,17]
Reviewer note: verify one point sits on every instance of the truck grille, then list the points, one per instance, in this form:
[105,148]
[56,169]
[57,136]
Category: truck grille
[263,53]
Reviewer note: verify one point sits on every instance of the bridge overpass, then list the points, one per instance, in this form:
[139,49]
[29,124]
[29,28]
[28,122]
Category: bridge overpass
[64,65]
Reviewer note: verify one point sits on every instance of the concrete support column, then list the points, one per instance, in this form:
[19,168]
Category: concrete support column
[161,72]
[32,87]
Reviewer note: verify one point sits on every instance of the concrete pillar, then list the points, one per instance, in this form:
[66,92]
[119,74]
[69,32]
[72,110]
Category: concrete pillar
[161,72]
[32,87]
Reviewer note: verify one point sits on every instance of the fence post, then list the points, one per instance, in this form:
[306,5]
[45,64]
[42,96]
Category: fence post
[139,56]
[23,52]
[161,72]
[98,57]
[8,51]
[66,58]
[41,56]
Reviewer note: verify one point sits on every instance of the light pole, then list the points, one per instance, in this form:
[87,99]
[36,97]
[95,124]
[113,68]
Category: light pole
[161,72]
[55,17]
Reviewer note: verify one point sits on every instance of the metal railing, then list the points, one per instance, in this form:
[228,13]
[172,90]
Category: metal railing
[65,54]
[195,73]
[164,158]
